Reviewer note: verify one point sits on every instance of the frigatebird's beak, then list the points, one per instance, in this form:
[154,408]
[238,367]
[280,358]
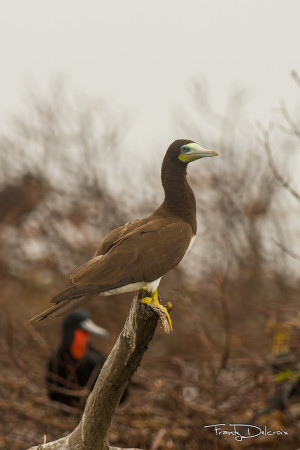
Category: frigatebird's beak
[91,327]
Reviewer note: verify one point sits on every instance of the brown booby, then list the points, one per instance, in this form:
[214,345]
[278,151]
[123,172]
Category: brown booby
[138,254]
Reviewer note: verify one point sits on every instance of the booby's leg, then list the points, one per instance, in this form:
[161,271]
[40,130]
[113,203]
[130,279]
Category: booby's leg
[153,300]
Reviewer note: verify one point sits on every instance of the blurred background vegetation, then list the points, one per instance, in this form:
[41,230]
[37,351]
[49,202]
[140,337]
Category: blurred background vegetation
[67,179]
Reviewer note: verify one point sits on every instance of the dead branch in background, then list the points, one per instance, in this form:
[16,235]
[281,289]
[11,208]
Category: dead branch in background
[292,129]
[295,77]
[227,325]
[286,250]
[283,181]
[122,362]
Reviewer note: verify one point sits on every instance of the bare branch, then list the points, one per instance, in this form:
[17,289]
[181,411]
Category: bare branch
[295,77]
[227,324]
[294,129]
[286,250]
[276,173]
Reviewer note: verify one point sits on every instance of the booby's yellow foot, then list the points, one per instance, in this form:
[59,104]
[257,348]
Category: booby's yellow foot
[147,300]
[161,310]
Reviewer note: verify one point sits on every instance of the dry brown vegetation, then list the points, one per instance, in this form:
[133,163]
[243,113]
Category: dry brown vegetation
[60,194]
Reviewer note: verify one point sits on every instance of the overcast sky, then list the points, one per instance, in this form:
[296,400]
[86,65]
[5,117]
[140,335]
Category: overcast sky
[143,55]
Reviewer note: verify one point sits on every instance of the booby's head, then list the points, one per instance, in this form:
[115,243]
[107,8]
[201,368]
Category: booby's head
[190,151]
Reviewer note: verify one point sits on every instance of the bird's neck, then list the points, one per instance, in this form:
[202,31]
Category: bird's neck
[179,197]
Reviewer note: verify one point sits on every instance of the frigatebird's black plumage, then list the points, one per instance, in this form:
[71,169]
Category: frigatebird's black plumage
[76,363]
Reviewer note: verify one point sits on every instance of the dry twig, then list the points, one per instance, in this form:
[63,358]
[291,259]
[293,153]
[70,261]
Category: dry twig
[276,173]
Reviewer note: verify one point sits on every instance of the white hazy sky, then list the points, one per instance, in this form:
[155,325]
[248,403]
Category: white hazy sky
[143,55]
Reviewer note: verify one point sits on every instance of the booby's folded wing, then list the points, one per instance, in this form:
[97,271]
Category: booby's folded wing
[117,234]
[143,255]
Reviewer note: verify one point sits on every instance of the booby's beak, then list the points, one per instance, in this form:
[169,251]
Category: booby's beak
[191,152]
[91,327]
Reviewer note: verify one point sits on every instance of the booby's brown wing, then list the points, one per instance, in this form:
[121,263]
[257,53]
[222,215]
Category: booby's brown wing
[119,233]
[144,254]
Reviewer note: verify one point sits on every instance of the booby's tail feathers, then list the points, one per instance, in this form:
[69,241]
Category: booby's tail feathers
[73,292]
[69,299]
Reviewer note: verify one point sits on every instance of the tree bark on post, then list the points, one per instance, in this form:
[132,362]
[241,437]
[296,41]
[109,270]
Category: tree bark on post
[124,359]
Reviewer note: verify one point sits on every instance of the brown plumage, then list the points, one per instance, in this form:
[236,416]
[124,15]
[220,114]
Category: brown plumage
[139,253]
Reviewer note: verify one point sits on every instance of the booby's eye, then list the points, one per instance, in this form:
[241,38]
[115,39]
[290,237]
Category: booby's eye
[184,149]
